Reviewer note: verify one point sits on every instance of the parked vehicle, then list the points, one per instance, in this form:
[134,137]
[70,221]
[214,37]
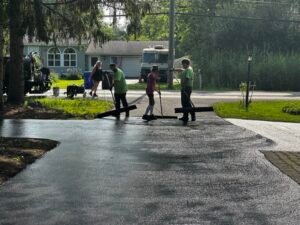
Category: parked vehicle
[36,77]
[156,56]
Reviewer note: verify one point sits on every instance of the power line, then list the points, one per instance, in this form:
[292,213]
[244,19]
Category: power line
[217,16]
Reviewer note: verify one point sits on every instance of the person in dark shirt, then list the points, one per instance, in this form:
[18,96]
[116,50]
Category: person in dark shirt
[151,87]
[96,77]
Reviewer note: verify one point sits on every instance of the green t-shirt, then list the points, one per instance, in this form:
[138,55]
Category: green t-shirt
[187,77]
[120,82]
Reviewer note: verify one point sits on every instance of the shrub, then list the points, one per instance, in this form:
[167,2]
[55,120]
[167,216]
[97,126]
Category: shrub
[72,76]
[292,109]
[54,77]
[270,71]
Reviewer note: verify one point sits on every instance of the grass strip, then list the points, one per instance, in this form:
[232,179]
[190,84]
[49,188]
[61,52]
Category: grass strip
[62,84]
[87,108]
[258,110]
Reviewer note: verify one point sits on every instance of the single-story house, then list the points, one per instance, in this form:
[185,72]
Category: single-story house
[126,54]
[69,56]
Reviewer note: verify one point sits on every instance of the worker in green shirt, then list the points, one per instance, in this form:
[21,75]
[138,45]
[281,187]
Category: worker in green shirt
[187,77]
[120,86]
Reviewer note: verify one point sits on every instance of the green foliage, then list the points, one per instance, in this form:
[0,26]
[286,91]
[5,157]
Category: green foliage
[292,108]
[54,77]
[269,71]
[220,46]
[72,76]
[155,27]
[82,108]
[62,84]
[258,110]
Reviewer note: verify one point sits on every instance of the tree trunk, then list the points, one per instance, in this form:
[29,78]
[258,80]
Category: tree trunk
[16,77]
[1,52]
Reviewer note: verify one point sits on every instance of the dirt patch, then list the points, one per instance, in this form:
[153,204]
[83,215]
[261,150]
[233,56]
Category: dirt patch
[32,112]
[17,153]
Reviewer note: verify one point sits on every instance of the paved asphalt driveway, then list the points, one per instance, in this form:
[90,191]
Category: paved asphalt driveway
[130,172]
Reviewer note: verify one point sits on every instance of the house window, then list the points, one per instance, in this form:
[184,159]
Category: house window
[93,61]
[53,57]
[116,60]
[70,57]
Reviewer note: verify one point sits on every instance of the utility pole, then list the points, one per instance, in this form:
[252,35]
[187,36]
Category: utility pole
[171,42]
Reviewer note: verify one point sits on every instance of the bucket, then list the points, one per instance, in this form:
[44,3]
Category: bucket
[56,91]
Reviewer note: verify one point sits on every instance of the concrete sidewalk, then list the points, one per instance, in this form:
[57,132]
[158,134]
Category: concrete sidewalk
[132,172]
[286,135]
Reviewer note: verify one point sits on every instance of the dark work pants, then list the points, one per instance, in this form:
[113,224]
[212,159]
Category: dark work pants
[186,101]
[118,99]
[151,99]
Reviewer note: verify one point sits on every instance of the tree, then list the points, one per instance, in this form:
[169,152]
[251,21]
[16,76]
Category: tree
[60,19]
[1,51]
[17,32]
[221,33]
[4,40]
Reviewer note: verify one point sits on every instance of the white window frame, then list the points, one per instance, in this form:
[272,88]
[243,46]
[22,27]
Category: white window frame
[55,54]
[69,60]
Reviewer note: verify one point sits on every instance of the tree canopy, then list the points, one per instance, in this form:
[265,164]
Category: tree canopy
[51,20]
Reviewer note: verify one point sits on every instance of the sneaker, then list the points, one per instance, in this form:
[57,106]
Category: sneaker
[194,119]
[91,93]
[184,119]
[95,95]
[117,115]
[152,117]
[145,117]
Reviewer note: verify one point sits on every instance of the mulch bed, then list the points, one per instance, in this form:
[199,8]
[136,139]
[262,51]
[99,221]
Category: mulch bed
[17,153]
[31,112]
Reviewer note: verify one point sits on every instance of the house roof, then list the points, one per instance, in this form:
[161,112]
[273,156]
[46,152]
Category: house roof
[67,42]
[119,48]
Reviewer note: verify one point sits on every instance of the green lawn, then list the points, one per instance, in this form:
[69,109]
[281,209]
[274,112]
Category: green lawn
[258,110]
[82,108]
[62,84]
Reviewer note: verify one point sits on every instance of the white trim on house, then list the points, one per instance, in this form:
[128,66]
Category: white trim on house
[72,57]
[56,52]
[69,54]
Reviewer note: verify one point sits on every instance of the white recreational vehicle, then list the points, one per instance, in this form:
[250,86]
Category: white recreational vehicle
[155,56]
